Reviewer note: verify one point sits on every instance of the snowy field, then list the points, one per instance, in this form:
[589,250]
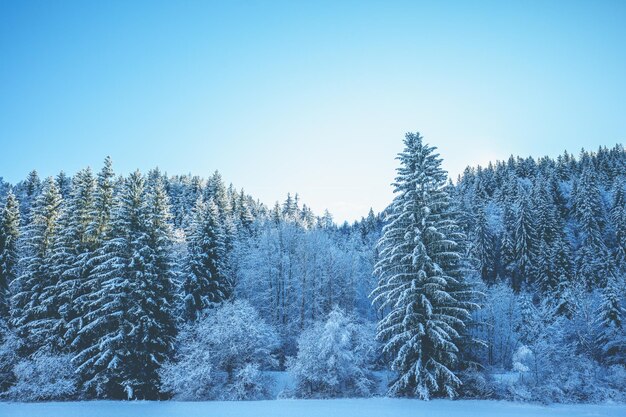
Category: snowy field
[373,407]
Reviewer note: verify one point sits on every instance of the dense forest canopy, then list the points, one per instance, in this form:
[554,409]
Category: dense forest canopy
[133,286]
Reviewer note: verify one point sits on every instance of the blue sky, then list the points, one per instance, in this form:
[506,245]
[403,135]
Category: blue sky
[308,97]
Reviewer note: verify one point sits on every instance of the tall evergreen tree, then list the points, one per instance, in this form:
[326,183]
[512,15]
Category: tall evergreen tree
[421,292]
[483,246]
[96,234]
[33,184]
[525,244]
[9,235]
[216,191]
[64,183]
[618,218]
[204,284]
[103,203]
[553,258]
[612,333]
[72,249]
[129,327]
[32,314]
[593,260]
[507,243]
[244,215]
[31,189]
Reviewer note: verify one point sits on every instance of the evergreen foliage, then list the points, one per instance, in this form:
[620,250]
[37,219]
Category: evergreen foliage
[421,292]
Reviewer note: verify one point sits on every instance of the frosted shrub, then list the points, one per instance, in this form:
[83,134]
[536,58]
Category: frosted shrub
[522,359]
[8,356]
[476,383]
[191,378]
[44,377]
[249,383]
[334,358]
[220,355]
[555,369]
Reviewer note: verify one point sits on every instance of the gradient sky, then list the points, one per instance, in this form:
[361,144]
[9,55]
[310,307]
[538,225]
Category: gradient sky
[308,97]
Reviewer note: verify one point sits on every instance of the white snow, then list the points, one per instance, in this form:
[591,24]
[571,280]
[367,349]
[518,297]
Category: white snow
[373,407]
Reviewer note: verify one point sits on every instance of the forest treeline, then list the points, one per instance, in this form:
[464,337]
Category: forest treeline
[508,283]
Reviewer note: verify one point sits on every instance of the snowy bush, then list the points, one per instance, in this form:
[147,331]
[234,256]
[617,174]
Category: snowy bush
[334,358]
[522,359]
[8,356]
[249,383]
[557,368]
[219,356]
[44,377]
[476,384]
[190,378]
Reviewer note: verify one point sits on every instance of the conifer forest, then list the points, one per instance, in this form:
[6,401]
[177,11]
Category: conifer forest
[508,282]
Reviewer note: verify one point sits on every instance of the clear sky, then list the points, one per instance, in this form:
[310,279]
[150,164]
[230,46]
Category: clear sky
[308,97]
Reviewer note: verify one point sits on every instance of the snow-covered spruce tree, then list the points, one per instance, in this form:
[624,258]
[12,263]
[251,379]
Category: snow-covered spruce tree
[216,190]
[507,242]
[64,183]
[593,261]
[103,203]
[32,184]
[482,248]
[421,292]
[31,189]
[160,303]
[97,233]
[204,283]
[525,244]
[9,235]
[612,329]
[553,257]
[32,316]
[244,218]
[71,251]
[130,326]
[618,217]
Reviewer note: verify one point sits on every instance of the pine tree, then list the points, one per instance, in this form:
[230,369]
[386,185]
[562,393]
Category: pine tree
[618,217]
[507,243]
[158,327]
[32,188]
[96,234]
[103,203]
[216,191]
[552,265]
[556,279]
[530,321]
[73,248]
[129,327]
[204,283]
[483,247]
[33,184]
[290,207]
[525,244]
[9,235]
[64,183]
[244,216]
[425,302]
[612,333]
[32,315]
[593,261]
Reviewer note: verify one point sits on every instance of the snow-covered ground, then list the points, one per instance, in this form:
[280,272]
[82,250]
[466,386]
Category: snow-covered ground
[373,407]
